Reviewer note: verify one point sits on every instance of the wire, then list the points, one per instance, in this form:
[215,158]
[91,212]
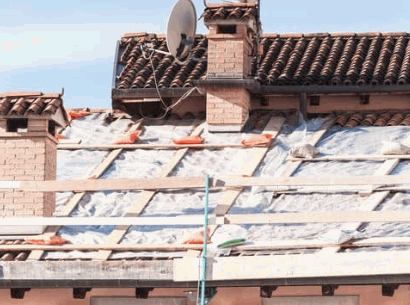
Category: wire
[167,109]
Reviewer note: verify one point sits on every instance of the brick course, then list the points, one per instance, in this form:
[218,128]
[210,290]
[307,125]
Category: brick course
[229,55]
[227,106]
[27,158]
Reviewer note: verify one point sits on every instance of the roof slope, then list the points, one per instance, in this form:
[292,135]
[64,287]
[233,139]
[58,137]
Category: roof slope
[341,59]
[218,162]
[135,67]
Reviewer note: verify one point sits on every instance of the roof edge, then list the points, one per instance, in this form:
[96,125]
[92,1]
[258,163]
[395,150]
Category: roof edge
[334,34]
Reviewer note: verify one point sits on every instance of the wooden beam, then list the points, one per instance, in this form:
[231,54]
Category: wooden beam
[144,198]
[67,141]
[274,245]
[311,181]
[371,203]
[294,266]
[352,158]
[169,146]
[198,182]
[273,128]
[73,202]
[313,140]
[105,185]
[278,218]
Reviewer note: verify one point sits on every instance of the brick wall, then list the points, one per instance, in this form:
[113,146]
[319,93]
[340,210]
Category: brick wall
[227,106]
[27,157]
[229,55]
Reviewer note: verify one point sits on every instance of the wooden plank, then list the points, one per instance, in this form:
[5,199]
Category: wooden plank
[273,128]
[144,198]
[67,141]
[76,270]
[371,203]
[351,158]
[277,218]
[169,146]
[197,182]
[73,202]
[310,181]
[295,266]
[313,140]
[193,249]
[106,185]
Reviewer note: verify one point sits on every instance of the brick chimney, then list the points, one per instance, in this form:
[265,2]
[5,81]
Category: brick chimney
[28,123]
[231,44]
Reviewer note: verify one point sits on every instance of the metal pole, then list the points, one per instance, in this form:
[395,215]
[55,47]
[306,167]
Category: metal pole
[204,251]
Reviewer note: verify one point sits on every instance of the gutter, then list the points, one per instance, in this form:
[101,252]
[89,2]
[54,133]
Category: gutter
[124,283]
[254,87]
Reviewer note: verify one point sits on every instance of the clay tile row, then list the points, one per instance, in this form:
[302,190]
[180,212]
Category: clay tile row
[373,119]
[229,12]
[344,59]
[28,105]
[362,59]
[137,66]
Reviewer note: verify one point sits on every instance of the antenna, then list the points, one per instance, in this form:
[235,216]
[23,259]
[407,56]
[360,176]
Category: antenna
[181,28]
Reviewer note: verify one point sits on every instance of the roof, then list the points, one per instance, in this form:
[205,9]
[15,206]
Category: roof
[332,59]
[23,104]
[373,119]
[140,163]
[135,69]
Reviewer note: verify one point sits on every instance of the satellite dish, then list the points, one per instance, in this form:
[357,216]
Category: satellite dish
[181,28]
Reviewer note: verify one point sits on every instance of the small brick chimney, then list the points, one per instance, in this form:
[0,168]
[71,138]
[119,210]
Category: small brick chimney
[231,45]
[28,123]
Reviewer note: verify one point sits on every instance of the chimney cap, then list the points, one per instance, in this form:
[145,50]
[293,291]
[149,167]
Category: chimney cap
[18,104]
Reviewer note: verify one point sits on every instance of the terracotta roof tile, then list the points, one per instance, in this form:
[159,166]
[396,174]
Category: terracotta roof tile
[24,105]
[232,11]
[342,59]
[373,119]
[137,69]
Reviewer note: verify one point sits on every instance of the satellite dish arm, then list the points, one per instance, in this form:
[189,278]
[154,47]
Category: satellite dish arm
[206,5]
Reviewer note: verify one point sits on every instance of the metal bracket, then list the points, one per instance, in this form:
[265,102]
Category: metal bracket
[388,290]
[266,291]
[80,293]
[142,293]
[18,293]
[329,290]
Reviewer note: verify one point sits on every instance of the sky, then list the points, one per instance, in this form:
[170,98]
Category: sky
[47,45]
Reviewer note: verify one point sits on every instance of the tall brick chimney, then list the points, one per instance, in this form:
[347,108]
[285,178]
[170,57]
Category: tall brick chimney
[28,123]
[231,45]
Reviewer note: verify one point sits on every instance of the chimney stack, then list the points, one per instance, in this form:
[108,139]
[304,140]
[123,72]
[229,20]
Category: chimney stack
[231,45]
[28,123]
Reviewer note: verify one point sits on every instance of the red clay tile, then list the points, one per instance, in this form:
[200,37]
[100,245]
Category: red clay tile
[30,105]
[337,59]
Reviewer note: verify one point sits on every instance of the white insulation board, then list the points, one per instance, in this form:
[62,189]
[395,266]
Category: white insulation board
[147,163]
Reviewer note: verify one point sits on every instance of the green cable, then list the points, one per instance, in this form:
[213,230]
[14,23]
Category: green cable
[204,251]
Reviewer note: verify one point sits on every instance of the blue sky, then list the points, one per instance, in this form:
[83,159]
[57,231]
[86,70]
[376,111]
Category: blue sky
[46,45]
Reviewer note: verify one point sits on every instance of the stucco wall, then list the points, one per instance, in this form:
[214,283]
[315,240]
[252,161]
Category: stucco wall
[369,295]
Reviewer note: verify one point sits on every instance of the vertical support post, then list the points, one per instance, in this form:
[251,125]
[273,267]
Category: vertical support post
[303,105]
[205,249]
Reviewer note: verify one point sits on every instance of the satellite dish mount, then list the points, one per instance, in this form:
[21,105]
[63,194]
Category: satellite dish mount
[181,30]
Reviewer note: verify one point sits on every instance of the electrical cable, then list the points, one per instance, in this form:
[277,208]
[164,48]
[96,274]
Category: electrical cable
[167,109]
